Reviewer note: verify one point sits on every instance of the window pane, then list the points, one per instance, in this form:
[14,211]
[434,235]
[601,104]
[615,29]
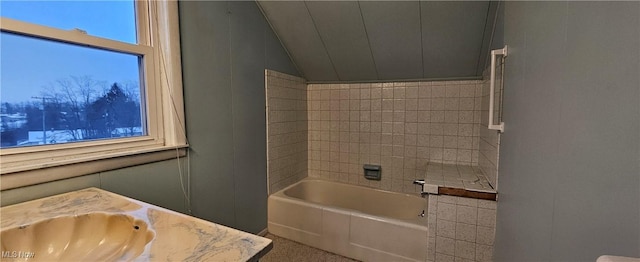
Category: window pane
[53,92]
[109,19]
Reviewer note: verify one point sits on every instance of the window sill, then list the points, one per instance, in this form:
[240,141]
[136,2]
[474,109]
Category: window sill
[85,165]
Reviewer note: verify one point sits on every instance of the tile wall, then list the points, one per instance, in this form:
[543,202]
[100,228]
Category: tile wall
[490,139]
[460,229]
[286,129]
[331,130]
[401,126]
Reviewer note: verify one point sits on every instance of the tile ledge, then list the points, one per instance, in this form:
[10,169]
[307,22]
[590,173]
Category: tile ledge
[461,192]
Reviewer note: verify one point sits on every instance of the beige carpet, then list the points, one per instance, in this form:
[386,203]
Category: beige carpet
[285,250]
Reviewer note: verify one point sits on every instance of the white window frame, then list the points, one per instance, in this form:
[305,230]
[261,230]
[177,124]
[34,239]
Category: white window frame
[159,44]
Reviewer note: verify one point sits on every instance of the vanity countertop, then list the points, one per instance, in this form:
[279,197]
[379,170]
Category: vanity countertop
[178,237]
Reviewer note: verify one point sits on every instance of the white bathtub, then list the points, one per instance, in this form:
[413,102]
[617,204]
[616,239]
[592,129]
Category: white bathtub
[353,221]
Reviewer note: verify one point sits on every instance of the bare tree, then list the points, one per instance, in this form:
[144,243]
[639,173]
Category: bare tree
[77,93]
[131,90]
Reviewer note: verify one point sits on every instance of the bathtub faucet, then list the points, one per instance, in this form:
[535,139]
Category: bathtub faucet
[421,183]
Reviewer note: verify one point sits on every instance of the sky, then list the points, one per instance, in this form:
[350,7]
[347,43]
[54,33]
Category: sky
[28,64]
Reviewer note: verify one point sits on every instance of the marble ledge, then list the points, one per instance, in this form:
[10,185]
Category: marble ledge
[178,237]
[458,180]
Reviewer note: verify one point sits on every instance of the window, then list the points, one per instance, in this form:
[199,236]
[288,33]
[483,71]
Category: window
[55,92]
[83,81]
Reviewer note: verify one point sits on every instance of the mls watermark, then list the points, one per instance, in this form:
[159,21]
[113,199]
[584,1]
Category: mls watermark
[18,254]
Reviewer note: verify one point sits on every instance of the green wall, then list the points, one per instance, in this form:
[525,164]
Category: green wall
[225,48]
[156,183]
[570,154]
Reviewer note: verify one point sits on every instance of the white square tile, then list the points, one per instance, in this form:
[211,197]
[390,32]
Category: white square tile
[411,128]
[354,94]
[466,103]
[464,142]
[447,199]
[365,93]
[435,154]
[436,129]
[486,217]
[446,211]
[444,258]
[411,91]
[467,91]
[450,154]
[451,104]
[424,104]
[465,249]
[411,104]
[398,92]
[411,116]
[466,214]
[431,232]
[424,91]
[459,259]
[451,116]
[437,104]
[463,156]
[446,228]
[488,204]
[438,91]
[465,117]
[431,248]
[376,105]
[436,141]
[465,129]
[485,235]
[450,129]
[465,232]
[433,203]
[387,92]
[450,141]
[376,93]
[452,90]
[399,104]
[445,246]
[484,253]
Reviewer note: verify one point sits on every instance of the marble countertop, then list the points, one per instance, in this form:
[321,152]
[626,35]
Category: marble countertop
[178,237]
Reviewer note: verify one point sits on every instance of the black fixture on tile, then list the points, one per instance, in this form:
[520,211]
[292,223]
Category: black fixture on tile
[372,172]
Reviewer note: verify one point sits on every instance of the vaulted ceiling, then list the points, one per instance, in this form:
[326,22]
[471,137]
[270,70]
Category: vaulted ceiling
[381,41]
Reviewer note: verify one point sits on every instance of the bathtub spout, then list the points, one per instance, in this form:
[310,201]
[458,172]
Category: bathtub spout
[421,183]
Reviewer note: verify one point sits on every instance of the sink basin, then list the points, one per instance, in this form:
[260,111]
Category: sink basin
[87,237]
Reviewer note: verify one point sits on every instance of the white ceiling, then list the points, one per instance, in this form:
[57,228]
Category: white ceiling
[346,41]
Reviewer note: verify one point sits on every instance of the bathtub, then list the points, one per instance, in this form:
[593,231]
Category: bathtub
[352,221]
